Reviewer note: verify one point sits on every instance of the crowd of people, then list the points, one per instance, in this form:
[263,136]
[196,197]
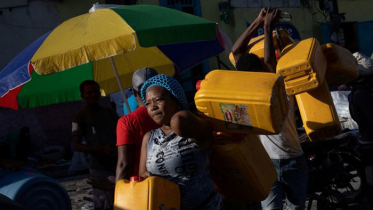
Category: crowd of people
[162,126]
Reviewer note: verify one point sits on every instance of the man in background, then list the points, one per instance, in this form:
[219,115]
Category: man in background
[97,124]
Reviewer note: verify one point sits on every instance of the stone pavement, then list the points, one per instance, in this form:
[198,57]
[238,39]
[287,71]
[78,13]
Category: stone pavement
[79,191]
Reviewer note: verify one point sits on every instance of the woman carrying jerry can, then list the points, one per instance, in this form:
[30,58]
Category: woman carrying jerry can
[284,149]
[178,151]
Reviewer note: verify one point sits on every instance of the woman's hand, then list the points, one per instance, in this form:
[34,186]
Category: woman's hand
[272,16]
[146,175]
[262,15]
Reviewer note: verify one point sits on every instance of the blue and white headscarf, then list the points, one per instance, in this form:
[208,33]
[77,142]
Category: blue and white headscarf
[171,84]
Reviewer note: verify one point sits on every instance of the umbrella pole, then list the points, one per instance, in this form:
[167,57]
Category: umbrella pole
[120,84]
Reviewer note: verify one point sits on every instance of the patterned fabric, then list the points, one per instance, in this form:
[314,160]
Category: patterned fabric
[181,161]
[170,84]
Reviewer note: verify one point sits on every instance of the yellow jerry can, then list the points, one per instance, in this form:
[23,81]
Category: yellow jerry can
[153,193]
[243,102]
[241,168]
[256,44]
[319,116]
[341,65]
[302,65]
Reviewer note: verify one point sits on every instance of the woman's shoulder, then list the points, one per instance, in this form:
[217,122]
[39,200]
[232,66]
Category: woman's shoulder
[150,135]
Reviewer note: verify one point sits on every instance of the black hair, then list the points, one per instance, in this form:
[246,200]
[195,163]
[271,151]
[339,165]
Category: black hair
[249,62]
[87,82]
[361,83]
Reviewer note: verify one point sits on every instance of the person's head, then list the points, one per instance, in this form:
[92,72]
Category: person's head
[163,96]
[90,92]
[139,77]
[362,82]
[249,62]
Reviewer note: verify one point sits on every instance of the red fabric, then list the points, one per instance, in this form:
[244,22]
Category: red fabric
[9,100]
[132,127]
[220,38]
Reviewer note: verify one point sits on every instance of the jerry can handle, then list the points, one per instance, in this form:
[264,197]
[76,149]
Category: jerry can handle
[285,16]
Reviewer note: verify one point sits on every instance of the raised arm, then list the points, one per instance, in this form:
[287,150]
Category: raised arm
[240,46]
[269,49]
[186,124]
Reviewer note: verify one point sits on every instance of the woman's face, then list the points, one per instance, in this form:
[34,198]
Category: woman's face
[160,104]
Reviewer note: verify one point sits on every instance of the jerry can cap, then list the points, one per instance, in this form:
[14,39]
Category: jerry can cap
[136,178]
[278,54]
[198,84]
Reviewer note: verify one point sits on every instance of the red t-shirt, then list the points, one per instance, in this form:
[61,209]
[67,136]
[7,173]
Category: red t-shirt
[132,127]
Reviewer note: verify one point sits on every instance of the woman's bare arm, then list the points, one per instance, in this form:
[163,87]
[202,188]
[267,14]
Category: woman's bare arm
[186,124]
[144,152]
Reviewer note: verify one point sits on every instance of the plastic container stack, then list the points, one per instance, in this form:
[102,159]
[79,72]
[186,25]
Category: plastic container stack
[308,68]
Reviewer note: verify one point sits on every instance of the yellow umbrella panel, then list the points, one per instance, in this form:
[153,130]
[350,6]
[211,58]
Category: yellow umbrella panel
[128,63]
[82,39]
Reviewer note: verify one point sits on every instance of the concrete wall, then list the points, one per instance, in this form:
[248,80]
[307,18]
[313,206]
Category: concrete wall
[20,26]
[356,10]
